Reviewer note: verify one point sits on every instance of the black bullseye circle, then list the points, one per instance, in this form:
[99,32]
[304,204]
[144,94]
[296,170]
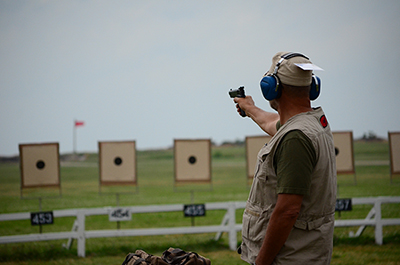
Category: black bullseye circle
[40,164]
[117,161]
[336,151]
[192,160]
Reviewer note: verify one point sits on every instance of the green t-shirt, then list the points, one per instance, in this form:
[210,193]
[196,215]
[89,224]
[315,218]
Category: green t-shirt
[294,161]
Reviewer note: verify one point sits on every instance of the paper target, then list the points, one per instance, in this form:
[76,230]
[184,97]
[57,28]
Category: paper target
[192,160]
[343,142]
[40,166]
[117,162]
[253,146]
[394,143]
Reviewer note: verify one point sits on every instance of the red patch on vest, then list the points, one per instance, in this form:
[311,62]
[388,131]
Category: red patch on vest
[323,121]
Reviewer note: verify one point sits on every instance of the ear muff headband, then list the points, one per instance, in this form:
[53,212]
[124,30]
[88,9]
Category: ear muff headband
[290,55]
[270,84]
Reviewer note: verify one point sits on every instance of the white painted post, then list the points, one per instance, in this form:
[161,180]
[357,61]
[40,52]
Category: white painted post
[224,222]
[231,225]
[378,224]
[81,233]
[71,239]
[370,215]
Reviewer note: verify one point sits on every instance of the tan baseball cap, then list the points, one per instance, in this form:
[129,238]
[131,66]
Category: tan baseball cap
[288,72]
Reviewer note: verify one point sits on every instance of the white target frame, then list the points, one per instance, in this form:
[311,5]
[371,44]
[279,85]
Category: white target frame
[394,148]
[39,165]
[192,160]
[253,147]
[117,163]
[343,142]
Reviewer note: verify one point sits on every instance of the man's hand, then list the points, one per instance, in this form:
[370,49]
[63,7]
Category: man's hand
[243,103]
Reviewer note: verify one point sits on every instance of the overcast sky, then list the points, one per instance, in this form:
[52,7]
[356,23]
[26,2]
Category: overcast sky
[155,71]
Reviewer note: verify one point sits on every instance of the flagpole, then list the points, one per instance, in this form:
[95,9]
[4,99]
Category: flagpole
[74,138]
[76,125]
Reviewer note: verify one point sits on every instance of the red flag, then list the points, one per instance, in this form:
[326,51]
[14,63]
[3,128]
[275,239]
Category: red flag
[79,123]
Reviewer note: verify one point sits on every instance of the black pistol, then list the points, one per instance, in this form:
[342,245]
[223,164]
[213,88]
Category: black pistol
[238,93]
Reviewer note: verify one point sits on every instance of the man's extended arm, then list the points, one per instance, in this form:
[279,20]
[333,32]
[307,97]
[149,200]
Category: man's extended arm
[281,223]
[265,120]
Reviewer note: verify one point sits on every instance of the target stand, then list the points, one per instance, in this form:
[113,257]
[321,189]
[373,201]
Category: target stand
[343,142]
[40,177]
[192,165]
[117,167]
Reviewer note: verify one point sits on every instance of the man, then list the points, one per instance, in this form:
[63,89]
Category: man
[289,215]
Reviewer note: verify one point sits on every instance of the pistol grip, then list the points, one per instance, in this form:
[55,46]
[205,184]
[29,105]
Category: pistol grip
[242,113]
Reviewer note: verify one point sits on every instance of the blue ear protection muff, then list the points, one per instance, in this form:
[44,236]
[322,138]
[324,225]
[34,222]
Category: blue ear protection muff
[270,84]
[315,87]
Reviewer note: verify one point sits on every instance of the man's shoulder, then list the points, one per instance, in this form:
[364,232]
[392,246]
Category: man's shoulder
[297,135]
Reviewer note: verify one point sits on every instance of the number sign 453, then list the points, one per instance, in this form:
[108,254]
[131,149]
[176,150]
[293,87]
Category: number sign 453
[42,218]
[192,210]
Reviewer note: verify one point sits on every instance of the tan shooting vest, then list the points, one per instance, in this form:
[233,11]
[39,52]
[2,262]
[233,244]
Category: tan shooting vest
[311,238]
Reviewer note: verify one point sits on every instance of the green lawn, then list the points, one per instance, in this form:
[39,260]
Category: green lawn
[80,189]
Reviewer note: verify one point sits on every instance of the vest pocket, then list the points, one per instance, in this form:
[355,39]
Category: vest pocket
[262,191]
[254,224]
[313,224]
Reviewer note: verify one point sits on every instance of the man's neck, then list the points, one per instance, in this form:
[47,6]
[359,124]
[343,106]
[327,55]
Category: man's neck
[288,108]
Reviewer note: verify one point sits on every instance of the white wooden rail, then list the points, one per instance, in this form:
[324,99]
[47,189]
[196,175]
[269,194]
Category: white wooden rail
[228,223]
[80,233]
[374,217]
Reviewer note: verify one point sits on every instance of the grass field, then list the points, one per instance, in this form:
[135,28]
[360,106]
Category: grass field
[80,189]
